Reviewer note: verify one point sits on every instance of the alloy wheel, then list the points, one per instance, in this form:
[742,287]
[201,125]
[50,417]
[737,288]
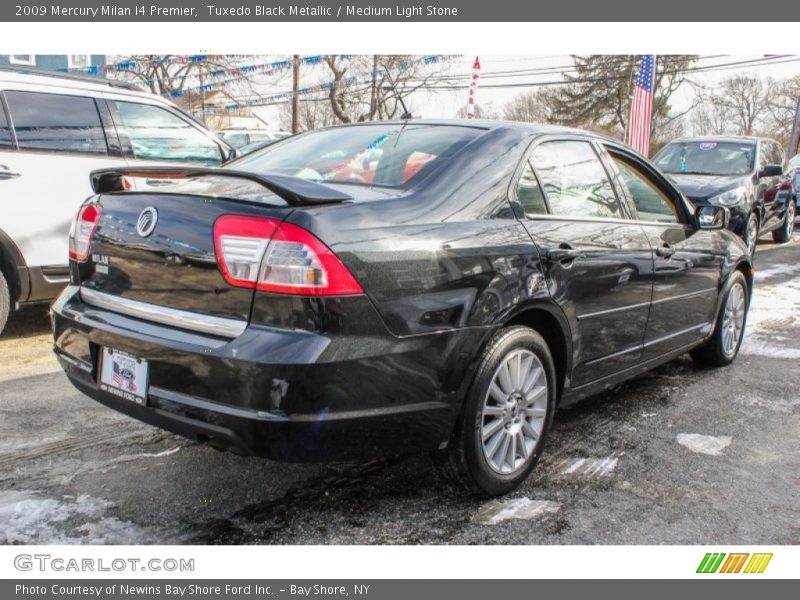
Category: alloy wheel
[514,412]
[751,236]
[789,223]
[733,319]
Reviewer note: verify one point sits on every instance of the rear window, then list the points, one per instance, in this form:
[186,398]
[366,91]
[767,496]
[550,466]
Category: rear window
[56,122]
[379,155]
[5,131]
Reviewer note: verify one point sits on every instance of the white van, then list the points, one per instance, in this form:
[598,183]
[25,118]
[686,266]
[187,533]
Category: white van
[55,129]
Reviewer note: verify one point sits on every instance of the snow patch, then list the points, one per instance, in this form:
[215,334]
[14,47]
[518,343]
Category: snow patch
[592,467]
[29,518]
[524,508]
[704,444]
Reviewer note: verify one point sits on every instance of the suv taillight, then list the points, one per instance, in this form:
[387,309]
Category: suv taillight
[272,256]
[82,230]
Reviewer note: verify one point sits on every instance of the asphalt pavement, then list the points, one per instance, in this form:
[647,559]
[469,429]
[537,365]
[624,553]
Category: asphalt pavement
[680,455]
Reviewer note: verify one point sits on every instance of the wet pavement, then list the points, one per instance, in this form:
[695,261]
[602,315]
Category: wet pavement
[680,455]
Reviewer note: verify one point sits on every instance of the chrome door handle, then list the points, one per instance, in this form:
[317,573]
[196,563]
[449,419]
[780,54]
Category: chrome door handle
[6,173]
[564,252]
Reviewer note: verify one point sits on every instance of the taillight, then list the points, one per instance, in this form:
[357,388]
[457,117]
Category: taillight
[279,257]
[82,230]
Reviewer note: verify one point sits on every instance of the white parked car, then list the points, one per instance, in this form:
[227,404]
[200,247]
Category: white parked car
[54,130]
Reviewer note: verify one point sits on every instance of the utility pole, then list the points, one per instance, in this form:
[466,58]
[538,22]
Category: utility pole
[296,94]
[793,140]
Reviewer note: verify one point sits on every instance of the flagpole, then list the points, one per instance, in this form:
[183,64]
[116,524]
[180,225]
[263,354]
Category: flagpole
[630,98]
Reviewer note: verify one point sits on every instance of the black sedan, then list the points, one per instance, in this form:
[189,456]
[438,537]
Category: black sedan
[394,288]
[745,174]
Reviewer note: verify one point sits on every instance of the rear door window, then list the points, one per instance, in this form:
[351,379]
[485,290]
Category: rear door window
[157,134]
[529,194]
[5,130]
[574,180]
[56,122]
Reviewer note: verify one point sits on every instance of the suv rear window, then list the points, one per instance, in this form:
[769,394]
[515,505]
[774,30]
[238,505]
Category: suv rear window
[380,155]
[5,130]
[56,122]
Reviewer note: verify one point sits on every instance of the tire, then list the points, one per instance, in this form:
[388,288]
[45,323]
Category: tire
[784,234]
[718,350]
[521,409]
[5,302]
[751,234]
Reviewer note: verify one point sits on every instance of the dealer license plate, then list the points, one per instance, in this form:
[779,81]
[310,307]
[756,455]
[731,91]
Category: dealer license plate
[124,375]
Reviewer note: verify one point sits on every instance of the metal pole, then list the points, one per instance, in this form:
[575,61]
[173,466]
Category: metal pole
[295,94]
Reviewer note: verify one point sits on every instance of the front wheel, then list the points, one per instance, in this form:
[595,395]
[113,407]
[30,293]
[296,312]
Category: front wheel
[5,302]
[507,415]
[724,344]
[784,234]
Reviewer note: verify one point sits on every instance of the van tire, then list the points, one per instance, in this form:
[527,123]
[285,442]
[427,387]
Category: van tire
[5,302]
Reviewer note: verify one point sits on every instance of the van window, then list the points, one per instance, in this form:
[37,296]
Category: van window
[56,122]
[157,134]
[5,130]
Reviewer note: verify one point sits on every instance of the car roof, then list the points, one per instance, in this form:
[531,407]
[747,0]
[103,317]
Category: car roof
[74,81]
[722,138]
[485,124]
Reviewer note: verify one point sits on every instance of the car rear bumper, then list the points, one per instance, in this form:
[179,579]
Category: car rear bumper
[327,399]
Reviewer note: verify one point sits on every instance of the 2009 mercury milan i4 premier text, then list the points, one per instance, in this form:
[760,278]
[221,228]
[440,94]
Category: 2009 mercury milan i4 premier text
[392,288]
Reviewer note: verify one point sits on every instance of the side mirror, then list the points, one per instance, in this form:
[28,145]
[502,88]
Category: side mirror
[712,217]
[771,171]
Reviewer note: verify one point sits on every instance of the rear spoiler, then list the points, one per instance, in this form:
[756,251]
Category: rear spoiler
[294,190]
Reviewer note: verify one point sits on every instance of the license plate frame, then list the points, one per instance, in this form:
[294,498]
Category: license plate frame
[124,375]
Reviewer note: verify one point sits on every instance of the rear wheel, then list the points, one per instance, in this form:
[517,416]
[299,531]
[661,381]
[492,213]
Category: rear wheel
[784,234]
[507,415]
[724,344]
[751,234]
[5,302]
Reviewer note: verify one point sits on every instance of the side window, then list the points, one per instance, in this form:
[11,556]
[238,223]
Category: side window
[763,155]
[529,194]
[651,203]
[5,130]
[157,134]
[56,122]
[574,180]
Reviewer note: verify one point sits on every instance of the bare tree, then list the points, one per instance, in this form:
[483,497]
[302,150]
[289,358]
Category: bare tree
[485,110]
[369,87]
[313,114]
[781,108]
[710,119]
[167,74]
[531,107]
[742,100]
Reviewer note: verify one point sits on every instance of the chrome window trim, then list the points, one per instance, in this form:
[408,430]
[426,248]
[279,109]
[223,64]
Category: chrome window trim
[183,319]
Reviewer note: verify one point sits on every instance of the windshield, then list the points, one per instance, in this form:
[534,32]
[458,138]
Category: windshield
[382,155]
[707,158]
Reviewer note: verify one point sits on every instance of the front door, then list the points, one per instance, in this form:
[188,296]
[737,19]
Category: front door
[685,273]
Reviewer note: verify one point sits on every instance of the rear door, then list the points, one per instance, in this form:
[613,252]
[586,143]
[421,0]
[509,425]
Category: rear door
[598,261]
[59,139]
[686,265]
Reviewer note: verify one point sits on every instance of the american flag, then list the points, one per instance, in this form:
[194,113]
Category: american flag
[642,106]
[476,73]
